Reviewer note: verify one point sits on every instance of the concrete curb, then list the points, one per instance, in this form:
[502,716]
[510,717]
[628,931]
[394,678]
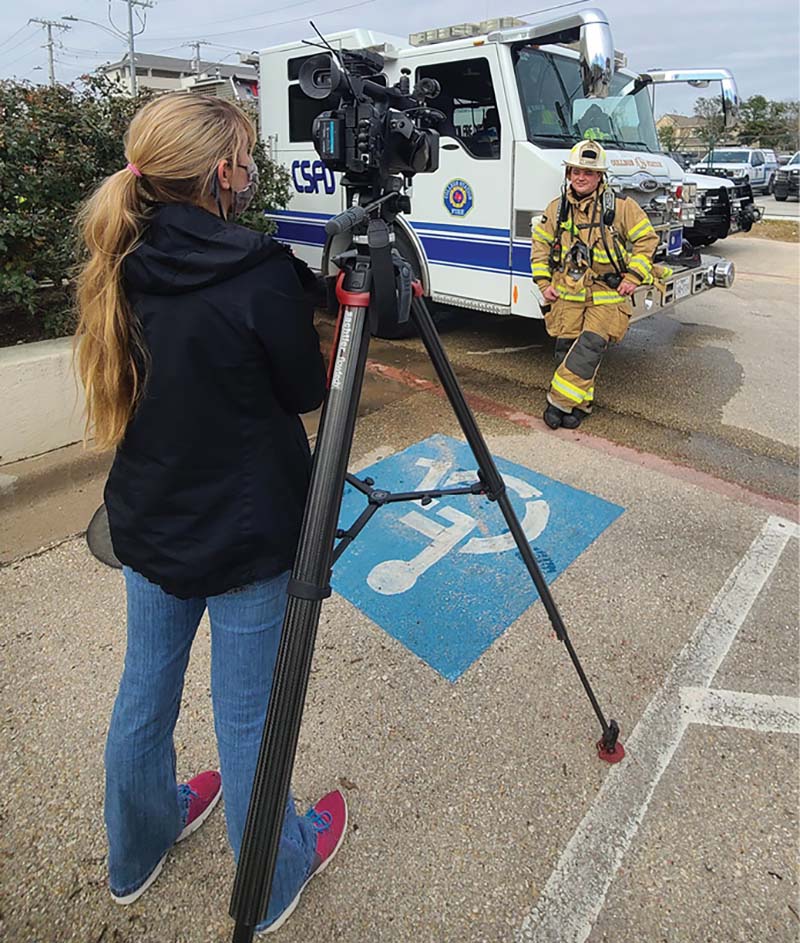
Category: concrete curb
[63,469]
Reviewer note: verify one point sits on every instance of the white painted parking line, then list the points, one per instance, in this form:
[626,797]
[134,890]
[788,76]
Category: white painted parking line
[574,894]
[765,713]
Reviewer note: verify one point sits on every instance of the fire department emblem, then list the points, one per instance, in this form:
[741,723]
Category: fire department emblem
[458,197]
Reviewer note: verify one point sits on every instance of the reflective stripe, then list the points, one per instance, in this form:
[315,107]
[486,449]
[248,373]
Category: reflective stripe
[666,271]
[540,270]
[567,389]
[642,228]
[590,394]
[600,255]
[541,235]
[641,263]
[606,297]
[571,227]
[570,296]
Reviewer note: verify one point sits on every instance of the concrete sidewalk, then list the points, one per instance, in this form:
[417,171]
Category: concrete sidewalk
[464,795]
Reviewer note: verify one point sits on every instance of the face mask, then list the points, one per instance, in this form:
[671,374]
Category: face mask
[241,199]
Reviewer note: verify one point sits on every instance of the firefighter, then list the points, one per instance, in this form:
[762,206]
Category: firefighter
[590,251]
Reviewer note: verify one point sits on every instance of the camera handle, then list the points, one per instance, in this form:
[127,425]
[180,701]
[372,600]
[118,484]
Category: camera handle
[317,552]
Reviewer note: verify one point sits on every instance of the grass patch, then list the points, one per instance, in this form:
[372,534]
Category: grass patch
[781,230]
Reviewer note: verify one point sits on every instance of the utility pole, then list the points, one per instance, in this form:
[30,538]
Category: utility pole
[196,46]
[131,61]
[49,24]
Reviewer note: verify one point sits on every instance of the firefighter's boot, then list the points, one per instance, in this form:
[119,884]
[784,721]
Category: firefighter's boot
[553,416]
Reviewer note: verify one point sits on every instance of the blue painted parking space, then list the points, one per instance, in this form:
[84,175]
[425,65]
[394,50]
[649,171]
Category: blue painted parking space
[446,579]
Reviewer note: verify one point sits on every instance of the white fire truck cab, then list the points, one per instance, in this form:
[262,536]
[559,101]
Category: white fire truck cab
[516,98]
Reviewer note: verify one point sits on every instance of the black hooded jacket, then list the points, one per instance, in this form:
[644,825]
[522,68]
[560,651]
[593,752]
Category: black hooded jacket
[208,487]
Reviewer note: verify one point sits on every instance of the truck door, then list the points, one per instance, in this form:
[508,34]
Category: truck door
[758,175]
[462,212]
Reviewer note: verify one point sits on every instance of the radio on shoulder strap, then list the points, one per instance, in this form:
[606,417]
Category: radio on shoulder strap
[609,206]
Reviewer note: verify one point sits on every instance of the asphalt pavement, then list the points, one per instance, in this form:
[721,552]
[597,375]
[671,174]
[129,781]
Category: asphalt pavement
[441,701]
[779,209]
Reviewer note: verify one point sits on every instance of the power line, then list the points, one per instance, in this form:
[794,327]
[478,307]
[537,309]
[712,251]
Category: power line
[250,16]
[34,37]
[298,19]
[20,58]
[9,38]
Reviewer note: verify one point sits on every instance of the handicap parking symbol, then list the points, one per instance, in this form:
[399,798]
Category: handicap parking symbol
[446,578]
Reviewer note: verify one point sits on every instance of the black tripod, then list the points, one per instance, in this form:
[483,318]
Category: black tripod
[362,280]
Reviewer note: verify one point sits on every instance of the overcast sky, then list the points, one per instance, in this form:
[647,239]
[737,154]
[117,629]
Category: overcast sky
[757,41]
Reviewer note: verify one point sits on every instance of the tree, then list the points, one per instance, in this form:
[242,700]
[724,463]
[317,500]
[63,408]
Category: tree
[666,135]
[57,143]
[709,110]
[768,123]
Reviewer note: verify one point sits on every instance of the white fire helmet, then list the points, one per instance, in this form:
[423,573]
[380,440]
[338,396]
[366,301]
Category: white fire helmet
[588,155]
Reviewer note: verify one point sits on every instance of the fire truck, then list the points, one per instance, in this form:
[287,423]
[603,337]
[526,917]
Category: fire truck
[516,97]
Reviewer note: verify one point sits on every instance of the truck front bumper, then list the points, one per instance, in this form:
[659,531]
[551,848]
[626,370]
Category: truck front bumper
[713,272]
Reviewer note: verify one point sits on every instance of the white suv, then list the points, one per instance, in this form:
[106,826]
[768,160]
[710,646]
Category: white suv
[742,165]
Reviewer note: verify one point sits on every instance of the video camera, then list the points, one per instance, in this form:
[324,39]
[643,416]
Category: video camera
[373,130]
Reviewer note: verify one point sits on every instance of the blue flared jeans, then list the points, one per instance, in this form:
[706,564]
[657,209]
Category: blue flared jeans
[143,812]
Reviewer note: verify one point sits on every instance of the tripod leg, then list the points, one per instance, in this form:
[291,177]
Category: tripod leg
[608,747]
[308,586]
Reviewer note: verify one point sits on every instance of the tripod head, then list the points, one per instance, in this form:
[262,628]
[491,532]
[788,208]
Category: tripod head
[371,272]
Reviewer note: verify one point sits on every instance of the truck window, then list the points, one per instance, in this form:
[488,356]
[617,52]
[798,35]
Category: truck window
[557,114]
[467,98]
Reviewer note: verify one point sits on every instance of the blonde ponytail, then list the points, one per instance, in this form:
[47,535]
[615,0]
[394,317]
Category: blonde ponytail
[111,224]
[175,143]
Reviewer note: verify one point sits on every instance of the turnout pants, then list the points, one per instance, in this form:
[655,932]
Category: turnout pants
[583,332]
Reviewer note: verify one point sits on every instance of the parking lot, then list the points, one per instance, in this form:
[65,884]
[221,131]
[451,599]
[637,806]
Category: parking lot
[783,209]
[442,703]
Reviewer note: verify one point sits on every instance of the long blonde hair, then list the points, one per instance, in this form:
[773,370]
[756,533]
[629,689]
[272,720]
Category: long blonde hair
[176,143]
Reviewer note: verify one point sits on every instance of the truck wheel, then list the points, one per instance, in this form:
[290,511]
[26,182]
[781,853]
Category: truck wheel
[780,197]
[702,240]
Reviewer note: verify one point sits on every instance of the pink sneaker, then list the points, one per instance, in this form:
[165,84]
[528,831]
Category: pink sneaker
[202,792]
[329,819]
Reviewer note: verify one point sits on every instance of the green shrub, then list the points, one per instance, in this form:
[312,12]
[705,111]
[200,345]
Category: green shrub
[56,144]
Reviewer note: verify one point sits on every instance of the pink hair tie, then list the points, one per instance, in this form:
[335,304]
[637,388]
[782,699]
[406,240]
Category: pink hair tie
[134,170]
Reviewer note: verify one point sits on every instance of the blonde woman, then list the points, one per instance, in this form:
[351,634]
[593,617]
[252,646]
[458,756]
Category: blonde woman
[197,351]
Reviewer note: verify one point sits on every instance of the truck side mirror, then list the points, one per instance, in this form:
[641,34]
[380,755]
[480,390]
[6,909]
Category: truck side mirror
[730,102]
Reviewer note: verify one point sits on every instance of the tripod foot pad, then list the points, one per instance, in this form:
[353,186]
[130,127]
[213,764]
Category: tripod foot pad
[614,755]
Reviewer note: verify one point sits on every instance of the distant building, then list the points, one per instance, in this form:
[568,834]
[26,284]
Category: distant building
[169,74]
[241,88]
[688,130]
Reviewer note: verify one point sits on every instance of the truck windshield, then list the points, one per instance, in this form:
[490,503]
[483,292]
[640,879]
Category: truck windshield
[557,114]
[725,157]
